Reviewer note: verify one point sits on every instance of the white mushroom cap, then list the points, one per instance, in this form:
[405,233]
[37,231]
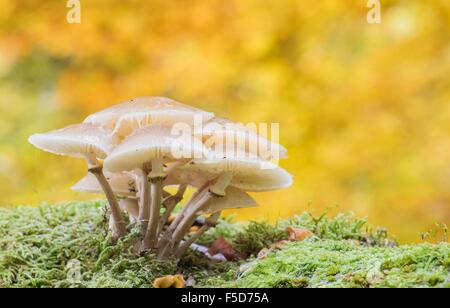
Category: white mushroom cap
[122,184]
[124,118]
[76,140]
[248,173]
[219,131]
[233,199]
[148,143]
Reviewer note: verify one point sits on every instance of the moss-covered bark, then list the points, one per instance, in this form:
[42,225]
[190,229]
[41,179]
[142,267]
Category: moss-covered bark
[66,246]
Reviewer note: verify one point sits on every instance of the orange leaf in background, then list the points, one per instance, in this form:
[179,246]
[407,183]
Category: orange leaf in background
[298,234]
[222,246]
[170,281]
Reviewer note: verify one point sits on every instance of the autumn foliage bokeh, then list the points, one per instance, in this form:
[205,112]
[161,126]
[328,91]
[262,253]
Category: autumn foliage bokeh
[364,109]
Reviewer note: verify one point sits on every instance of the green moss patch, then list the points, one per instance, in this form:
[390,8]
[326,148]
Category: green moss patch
[331,263]
[67,246]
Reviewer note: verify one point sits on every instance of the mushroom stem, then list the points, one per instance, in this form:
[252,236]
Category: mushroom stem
[170,203]
[168,233]
[156,179]
[210,222]
[119,225]
[144,206]
[215,190]
[185,224]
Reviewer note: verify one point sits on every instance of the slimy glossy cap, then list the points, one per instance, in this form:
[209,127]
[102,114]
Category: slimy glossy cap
[76,140]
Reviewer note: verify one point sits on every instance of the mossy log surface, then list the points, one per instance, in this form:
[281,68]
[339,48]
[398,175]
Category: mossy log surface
[66,245]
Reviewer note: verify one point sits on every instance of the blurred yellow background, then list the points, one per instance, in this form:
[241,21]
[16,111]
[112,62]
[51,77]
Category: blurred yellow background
[364,109]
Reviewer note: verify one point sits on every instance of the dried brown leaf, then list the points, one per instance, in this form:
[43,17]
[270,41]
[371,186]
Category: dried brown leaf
[298,234]
[221,245]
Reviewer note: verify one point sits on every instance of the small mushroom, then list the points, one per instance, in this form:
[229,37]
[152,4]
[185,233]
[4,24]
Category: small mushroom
[149,148]
[122,184]
[136,113]
[91,142]
[234,198]
[219,132]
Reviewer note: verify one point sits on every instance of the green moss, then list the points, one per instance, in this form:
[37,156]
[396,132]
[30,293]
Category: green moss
[67,246]
[250,238]
[256,236]
[332,263]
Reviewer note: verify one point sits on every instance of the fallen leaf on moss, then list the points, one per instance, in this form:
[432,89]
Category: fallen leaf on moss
[298,234]
[222,246]
[170,281]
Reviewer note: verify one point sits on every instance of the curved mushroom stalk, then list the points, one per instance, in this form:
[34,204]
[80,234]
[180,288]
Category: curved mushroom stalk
[210,222]
[156,179]
[234,199]
[119,226]
[185,220]
[129,206]
[144,195]
[166,237]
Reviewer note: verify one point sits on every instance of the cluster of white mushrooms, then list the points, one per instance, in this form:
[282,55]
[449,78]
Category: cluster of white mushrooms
[133,152]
